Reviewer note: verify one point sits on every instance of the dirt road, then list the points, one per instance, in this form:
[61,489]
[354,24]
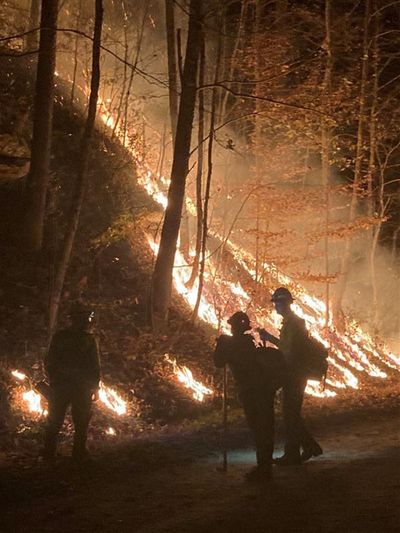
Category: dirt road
[173,485]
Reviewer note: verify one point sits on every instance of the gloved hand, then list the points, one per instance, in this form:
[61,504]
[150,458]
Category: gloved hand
[265,336]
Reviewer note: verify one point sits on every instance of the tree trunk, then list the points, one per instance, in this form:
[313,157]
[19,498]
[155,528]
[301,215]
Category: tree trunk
[184,232]
[125,77]
[76,48]
[81,181]
[373,116]
[162,276]
[133,70]
[199,174]
[326,147]
[382,205]
[257,132]
[31,42]
[172,67]
[346,256]
[376,230]
[231,70]
[209,176]
[37,180]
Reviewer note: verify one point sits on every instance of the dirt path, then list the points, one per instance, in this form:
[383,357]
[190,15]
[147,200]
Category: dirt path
[167,486]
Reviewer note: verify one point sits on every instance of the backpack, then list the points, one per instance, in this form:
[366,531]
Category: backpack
[272,365]
[315,362]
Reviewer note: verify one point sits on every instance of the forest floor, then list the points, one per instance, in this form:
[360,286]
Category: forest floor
[172,483]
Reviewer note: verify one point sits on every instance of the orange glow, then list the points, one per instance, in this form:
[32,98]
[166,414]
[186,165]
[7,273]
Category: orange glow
[112,400]
[33,401]
[350,352]
[185,376]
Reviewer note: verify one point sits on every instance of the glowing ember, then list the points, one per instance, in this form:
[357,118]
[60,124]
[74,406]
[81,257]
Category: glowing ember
[112,400]
[185,376]
[19,375]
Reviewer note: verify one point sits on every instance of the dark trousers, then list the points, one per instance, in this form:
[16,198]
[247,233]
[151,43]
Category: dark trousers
[297,435]
[258,405]
[80,400]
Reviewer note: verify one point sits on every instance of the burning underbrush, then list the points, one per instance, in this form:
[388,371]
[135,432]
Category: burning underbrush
[151,379]
[168,392]
[228,286]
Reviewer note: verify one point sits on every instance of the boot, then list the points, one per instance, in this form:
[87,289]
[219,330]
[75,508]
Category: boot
[313,451]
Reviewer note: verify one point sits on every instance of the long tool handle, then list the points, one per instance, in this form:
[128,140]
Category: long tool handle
[225,421]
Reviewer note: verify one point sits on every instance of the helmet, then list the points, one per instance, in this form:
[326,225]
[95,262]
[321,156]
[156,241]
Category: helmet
[239,319]
[282,294]
[80,312]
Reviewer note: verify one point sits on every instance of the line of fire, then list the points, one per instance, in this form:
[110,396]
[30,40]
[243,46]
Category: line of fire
[165,165]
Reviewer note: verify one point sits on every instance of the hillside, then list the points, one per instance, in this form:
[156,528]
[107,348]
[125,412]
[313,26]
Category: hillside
[111,268]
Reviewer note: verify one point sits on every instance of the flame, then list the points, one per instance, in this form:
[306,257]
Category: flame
[33,401]
[314,388]
[27,398]
[351,351]
[185,376]
[182,273]
[112,400]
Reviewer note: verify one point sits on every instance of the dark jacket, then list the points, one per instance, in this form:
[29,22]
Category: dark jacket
[239,352]
[292,343]
[73,359]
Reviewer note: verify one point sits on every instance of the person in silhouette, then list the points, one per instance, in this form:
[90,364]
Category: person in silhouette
[73,369]
[291,342]
[256,389]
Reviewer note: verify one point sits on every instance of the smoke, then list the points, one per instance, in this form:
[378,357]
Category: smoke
[270,199]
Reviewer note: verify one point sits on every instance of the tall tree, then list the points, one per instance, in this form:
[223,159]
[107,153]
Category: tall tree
[162,275]
[326,144]
[36,186]
[207,191]
[81,181]
[34,19]
[373,141]
[76,49]
[172,65]
[359,155]
[199,173]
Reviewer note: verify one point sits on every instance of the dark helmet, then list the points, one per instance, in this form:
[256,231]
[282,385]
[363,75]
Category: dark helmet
[240,319]
[79,312]
[282,294]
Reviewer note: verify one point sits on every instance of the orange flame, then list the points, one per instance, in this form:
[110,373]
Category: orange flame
[112,400]
[354,349]
[185,376]
[33,401]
